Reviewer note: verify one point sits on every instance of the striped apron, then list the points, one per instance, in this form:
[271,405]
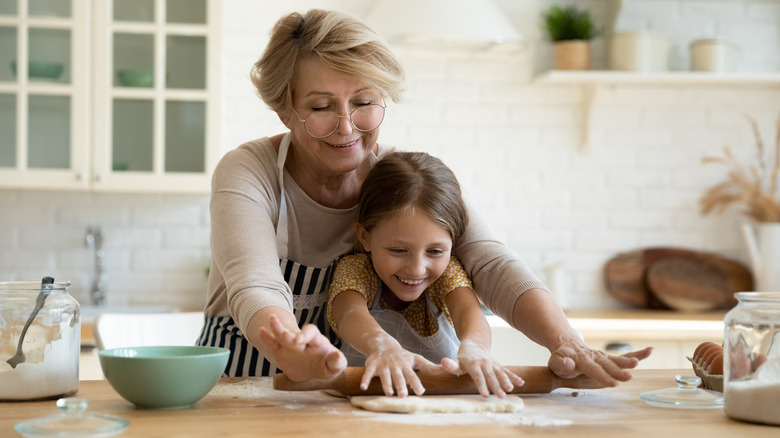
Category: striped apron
[310,296]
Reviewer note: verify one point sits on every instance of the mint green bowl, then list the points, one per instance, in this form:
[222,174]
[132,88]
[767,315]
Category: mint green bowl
[136,78]
[163,377]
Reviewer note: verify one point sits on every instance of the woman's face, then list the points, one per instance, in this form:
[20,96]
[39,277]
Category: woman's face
[319,88]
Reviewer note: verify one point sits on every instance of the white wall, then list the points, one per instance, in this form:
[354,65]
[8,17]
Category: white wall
[512,142]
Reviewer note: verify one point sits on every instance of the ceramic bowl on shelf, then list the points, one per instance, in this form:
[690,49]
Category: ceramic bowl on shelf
[163,377]
[136,78]
[41,70]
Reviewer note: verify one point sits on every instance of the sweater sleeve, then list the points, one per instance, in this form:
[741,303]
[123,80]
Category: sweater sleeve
[245,275]
[498,274]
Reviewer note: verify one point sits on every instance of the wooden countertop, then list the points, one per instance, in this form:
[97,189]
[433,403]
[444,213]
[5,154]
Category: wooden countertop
[251,408]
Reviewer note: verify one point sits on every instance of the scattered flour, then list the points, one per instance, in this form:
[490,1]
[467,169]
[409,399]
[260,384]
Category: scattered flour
[262,390]
[463,419]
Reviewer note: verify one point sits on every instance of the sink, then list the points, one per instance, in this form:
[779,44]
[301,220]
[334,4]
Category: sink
[88,313]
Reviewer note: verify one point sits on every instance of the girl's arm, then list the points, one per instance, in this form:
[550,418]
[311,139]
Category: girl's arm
[385,357]
[475,337]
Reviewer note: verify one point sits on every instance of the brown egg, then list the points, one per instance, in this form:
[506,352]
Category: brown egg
[702,349]
[704,358]
[715,365]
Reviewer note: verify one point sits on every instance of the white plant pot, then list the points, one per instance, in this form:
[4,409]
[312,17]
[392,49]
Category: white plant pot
[713,55]
[639,51]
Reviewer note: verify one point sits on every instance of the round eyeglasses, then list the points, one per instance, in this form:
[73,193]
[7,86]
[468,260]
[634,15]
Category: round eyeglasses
[323,123]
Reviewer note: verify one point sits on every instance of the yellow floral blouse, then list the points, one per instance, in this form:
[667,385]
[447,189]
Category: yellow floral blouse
[356,272]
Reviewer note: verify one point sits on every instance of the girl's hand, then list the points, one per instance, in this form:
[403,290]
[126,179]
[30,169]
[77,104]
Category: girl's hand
[396,367]
[572,358]
[488,375]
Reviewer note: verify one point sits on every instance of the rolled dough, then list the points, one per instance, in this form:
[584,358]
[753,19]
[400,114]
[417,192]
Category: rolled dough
[437,404]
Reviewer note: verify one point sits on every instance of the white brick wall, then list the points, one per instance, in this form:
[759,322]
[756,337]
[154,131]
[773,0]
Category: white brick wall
[513,144]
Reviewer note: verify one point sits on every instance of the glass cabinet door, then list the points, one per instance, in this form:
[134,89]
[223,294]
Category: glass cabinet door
[41,42]
[159,91]
[108,94]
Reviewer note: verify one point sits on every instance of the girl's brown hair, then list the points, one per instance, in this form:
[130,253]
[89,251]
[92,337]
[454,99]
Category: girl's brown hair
[412,179]
[339,40]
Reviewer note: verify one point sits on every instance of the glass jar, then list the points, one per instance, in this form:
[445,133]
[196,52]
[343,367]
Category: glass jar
[51,344]
[752,358]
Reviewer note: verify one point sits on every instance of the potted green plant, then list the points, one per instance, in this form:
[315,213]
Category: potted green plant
[570,28]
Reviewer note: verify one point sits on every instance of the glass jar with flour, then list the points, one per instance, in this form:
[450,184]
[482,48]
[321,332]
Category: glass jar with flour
[40,340]
[752,358]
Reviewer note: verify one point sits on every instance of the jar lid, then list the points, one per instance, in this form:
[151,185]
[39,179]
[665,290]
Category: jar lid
[73,421]
[687,395]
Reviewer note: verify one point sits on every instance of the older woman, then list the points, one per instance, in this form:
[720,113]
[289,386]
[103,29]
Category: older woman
[283,210]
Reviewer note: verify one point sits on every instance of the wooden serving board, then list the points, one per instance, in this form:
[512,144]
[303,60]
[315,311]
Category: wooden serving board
[675,278]
[538,380]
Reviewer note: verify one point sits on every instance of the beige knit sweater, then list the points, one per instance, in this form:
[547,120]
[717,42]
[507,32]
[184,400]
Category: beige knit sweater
[245,274]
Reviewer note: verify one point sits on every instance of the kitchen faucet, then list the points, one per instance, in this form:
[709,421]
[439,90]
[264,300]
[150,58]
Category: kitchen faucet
[94,240]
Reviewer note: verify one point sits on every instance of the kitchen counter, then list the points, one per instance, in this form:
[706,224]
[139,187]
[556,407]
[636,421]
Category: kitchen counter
[249,407]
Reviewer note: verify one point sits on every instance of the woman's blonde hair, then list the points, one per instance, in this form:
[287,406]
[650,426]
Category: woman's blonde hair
[412,179]
[339,40]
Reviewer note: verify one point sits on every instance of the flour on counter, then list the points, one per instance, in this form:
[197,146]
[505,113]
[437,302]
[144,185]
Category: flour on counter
[462,419]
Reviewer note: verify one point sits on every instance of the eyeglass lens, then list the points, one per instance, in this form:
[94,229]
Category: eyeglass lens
[364,118]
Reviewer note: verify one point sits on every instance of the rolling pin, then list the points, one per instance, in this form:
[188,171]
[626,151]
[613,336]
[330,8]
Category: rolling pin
[538,380]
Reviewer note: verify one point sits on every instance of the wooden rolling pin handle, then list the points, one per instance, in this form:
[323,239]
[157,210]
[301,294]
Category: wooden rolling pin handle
[538,380]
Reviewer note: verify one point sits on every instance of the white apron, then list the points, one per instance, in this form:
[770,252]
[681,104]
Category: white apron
[443,343]
[310,296]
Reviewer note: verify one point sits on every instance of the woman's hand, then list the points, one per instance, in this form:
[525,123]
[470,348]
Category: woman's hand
[572,358]
[304,355]
[396,367]
[488,375]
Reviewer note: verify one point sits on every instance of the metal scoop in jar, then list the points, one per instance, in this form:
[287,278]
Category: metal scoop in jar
[46,286]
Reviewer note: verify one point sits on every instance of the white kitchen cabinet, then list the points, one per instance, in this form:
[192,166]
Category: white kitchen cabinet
[673,335]
[129,100]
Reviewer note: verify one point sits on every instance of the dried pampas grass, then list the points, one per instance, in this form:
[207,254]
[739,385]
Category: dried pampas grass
[755,186]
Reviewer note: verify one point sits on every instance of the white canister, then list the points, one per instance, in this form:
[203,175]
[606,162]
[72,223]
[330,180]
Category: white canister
[51,342]
[639,51]
[713,55]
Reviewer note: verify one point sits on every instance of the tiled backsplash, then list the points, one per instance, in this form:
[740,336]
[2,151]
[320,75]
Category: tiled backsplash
[513,143]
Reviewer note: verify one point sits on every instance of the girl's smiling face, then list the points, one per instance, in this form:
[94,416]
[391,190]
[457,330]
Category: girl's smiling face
[409,251]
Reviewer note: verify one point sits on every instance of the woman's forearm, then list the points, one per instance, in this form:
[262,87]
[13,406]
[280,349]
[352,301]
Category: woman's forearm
[538,316]
[261,319]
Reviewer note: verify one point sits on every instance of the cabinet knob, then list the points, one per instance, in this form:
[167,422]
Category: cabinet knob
[98,177]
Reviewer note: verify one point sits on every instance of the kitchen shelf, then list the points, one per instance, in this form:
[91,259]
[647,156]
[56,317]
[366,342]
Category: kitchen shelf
[608,77]
[591,82]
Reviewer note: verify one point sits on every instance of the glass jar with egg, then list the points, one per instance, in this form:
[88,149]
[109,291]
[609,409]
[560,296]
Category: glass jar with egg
[752,358]
[40,340]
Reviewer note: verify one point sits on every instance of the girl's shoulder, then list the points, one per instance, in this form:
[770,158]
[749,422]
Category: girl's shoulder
[454,276]
[357,262]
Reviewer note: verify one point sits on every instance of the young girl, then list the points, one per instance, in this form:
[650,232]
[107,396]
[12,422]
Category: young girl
[403,299]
